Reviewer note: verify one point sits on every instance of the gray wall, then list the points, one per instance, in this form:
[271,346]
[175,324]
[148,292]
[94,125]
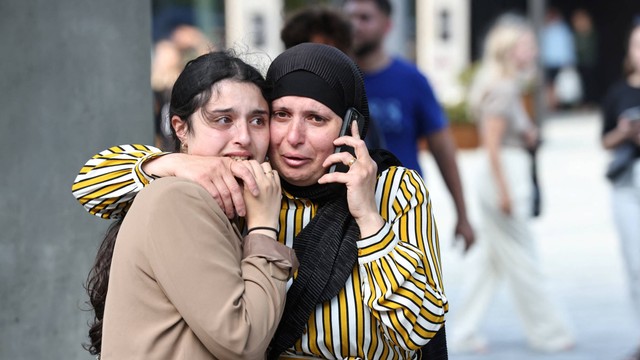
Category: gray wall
[74,79]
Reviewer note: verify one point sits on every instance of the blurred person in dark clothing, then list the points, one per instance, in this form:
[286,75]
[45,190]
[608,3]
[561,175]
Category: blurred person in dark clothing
[557,53]
[621,134]
[586,42]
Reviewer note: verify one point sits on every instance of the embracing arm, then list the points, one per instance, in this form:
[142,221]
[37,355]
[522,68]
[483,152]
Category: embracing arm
[110,180]
[401,263]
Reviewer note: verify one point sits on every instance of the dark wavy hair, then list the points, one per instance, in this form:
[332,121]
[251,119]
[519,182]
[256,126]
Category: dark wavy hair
[194,86]
[304,24]
[191,91]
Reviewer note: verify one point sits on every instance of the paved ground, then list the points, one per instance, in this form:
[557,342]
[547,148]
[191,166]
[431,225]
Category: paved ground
[577,245]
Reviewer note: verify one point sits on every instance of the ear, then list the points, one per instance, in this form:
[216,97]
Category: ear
[180,127]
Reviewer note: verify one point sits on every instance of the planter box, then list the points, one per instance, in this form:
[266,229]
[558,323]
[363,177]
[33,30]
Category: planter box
[465,135]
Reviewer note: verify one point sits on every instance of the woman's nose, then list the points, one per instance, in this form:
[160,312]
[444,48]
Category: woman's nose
[296,132]
[242,133]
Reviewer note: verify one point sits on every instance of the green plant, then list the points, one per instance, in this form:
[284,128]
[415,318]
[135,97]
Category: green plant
[458,113]
[463,125]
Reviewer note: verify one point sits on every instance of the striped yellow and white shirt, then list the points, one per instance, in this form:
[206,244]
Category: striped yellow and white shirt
[392,304]
[108,182]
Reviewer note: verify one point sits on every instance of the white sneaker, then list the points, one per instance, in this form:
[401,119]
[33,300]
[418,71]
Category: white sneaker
[554,346]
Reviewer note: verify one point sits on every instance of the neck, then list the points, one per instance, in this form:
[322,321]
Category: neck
[373,61]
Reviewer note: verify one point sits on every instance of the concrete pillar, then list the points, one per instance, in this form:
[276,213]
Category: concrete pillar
[74,79]
[253,26]
[442,44]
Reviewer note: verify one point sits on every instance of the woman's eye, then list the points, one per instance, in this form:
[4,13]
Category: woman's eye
[223,120]
[316,118]
[259,121]
[279,114]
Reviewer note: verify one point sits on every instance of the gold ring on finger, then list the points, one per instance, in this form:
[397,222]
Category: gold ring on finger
[352,161]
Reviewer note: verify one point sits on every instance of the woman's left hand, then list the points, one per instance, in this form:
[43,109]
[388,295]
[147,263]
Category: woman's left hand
[360,181]
[264,209]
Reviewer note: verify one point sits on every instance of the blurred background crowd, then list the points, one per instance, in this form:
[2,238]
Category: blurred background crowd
[578,58]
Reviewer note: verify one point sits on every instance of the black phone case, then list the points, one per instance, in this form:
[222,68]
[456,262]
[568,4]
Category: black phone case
[351,116]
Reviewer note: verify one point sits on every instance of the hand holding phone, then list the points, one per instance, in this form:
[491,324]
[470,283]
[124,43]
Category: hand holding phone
[351,116]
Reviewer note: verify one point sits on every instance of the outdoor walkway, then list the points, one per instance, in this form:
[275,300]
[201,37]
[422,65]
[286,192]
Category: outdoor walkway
[577,244]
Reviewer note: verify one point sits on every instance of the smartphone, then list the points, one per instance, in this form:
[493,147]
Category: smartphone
[633,114]
[351,116]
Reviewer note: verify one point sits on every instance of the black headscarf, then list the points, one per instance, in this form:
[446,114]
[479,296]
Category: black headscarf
[326,247]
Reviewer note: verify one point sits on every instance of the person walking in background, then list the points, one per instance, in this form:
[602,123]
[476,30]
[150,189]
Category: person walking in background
[621,134]
[586,42]
[402,102]
[558,55]
[505,246]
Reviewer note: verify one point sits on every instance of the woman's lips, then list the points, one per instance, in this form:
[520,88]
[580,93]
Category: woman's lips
[294,161]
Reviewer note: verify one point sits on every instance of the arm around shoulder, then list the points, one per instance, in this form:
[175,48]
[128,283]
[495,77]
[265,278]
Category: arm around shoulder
[108,182]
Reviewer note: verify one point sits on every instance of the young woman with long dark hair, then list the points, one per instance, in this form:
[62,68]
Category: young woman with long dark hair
[175,278]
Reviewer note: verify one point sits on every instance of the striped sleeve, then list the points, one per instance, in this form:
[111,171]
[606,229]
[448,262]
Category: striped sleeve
[108,182]
[400,265]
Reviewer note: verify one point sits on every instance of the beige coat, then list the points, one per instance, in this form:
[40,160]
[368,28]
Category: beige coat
[184,286]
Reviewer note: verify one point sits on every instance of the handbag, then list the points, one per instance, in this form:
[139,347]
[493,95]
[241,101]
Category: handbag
[623,157]
[436,348]
[536,209]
